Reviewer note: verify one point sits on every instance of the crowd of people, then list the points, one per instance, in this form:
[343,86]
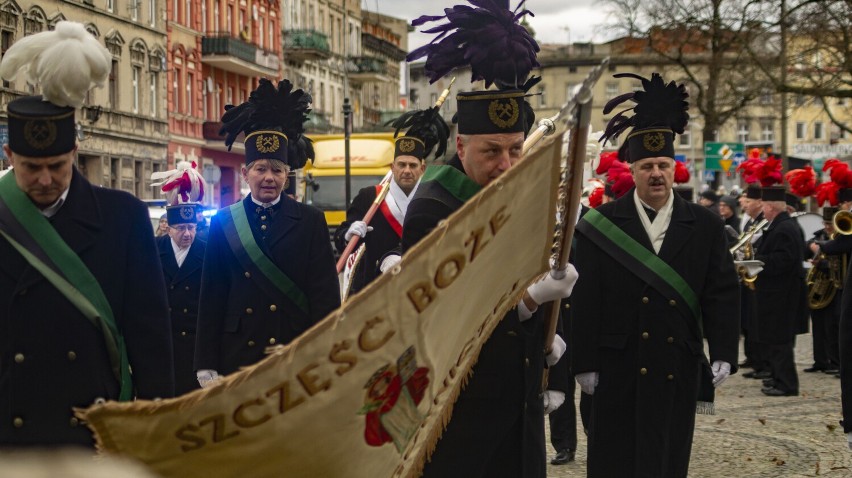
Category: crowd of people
[653,277]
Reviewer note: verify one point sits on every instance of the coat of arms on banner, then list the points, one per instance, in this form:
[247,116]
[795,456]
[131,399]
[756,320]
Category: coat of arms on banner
[390,402]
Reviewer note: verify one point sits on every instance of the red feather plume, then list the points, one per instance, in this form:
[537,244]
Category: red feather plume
[839,172]
[596,197]
[802,181]
[827,192]
[606,161]
[681,174]
[768,172]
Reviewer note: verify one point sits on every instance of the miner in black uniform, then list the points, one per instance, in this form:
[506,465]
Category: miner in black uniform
[426,130]
[754,358]
[269,271]
[83,300]
[497,424]
[182,255]
[656,279]
[825,314]
[779,293]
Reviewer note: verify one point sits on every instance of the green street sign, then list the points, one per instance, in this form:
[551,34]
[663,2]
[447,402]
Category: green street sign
[723,156]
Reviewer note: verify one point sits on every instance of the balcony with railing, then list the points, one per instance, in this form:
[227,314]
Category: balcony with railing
[365,68]
[221,50]
[301,45]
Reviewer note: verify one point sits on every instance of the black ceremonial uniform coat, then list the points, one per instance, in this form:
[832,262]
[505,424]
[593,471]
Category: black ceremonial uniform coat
[497,426]
[842,244]
[383,238]
[183,285]
[237,319]
[51,356]
[780,289]
[648,353]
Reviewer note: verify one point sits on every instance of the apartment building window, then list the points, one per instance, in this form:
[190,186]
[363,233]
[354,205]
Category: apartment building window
[155,84]
[113,85]
[135,86]
[766,96]
[243,96]
[204,16]
[217,101]
[111,5]
[800,100]
[742,130]
[611,89]
[841,101]
[6,39]
[34,21]
[187,13]
[321,94]
[215,16]
[175,12]
[818,130]
[229,18]
[767,130]
[152,12]
[230,95]
[271,30]
[801,130]
[190,96]
[261,37]
[134,9]
[177,99]
[685,140]
[542,97]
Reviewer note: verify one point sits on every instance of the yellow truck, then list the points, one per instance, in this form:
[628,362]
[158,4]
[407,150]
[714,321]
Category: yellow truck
[323,181]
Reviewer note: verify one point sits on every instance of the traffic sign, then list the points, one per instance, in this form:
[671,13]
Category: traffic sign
[721,156]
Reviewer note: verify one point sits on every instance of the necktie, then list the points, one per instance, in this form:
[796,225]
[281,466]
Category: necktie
[651,213]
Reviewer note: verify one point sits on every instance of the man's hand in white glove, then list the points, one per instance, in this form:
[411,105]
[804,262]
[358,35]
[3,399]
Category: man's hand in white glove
[206,378]
[556,351]
[721,371]
[358,228]
[588,381]
[849,440]
[388,262]
[549,288]
[553,399]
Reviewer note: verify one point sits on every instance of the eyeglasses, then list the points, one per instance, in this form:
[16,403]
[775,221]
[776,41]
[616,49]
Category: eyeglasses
[184,227]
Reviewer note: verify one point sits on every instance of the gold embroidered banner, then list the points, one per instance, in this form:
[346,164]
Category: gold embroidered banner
[365,392]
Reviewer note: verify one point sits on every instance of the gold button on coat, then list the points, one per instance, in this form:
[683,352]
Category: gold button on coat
[643,370]
[263,218]
[74,421]
[670,340]
[18,422]
[272,341]
[251,343]
[72,355]
[263,227]
[19,358]
[672,303]
[526,362]
[185,311]
[248,275]
[249,310]
[644,300]
[670,377]
[183,333]
[644,335]
[273,308]
[186,288]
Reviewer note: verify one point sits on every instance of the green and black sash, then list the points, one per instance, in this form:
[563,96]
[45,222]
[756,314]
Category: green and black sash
[265,273]
[656,273]
[30,233]
[454,181]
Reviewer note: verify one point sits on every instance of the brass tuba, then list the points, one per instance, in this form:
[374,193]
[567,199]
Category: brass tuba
[744,244]
[823,285]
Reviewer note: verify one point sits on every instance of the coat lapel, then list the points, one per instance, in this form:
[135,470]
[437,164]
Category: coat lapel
[679,231]
[167,258]
[626,217]
[194,260]
[287,218]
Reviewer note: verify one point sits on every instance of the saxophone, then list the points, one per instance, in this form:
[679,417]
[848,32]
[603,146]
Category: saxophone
[744,244]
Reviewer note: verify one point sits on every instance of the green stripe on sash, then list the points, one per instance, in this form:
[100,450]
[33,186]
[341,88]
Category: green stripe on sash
[73,279]
[263,263]
[620,239]
[453,180]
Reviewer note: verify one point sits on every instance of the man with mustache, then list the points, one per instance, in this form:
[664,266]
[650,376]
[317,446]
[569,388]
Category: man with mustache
[83,310]
[656,279]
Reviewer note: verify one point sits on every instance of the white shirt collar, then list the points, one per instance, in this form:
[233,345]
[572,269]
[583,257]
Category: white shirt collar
[51,210]
[265,204]
[180,254]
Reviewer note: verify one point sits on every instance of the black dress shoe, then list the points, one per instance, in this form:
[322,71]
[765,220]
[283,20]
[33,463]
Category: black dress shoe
[831,371]
[814,368]
[758,374]
[769,383]
[775,392]
[562,457]
[746,364]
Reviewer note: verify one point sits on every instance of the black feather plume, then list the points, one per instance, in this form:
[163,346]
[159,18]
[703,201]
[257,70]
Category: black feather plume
[488,38]
[656,104]
[425,125]
[277,109]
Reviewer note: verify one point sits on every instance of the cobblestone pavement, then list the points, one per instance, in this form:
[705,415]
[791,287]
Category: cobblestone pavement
[752,435]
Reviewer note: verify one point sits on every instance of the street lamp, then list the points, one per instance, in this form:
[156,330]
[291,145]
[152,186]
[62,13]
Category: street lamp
[347,131]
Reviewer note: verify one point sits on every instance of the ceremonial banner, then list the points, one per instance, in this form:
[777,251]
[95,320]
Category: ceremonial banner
[366,392]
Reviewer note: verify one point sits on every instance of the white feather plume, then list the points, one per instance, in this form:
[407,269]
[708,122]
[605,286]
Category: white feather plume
[184,184]
[65,63]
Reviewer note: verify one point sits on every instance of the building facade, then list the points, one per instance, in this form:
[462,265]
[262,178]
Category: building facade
[123,131]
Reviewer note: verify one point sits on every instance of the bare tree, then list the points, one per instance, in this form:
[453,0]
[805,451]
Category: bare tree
[706,40]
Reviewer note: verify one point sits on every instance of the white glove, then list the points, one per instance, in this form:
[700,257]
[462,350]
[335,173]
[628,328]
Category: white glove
[389,261]
[550,288]
[524,313]
[721,371]
[358,228]
[552,399]
[849,440]
[556,351]
[588,381]
[206,378]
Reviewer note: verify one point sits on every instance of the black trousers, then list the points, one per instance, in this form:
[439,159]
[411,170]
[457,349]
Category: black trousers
[563,421]
[825,330]
[782,365]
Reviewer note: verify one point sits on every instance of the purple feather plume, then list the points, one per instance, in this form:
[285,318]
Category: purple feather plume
[488,38]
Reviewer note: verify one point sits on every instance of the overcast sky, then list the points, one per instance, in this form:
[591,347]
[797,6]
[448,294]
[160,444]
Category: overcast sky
[555,21]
